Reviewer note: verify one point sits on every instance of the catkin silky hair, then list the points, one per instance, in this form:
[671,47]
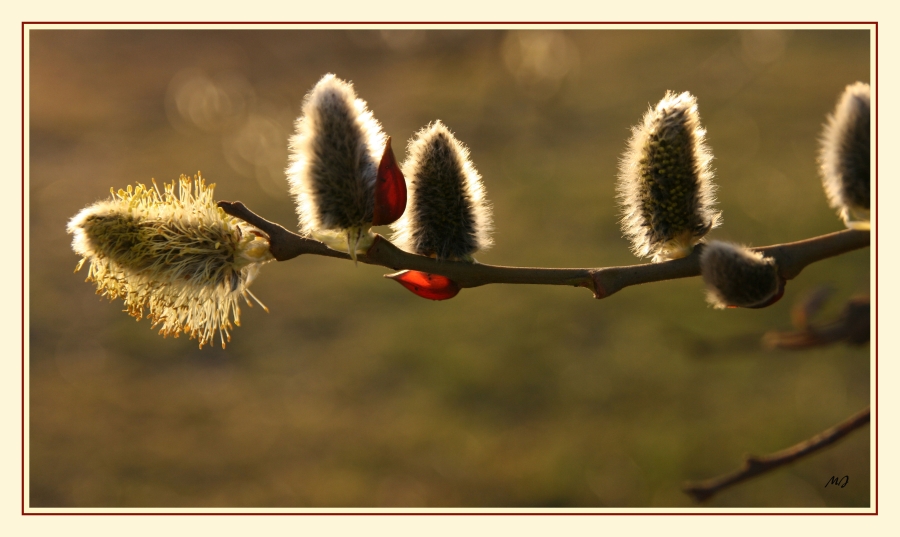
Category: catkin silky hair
[334,159]
[665,181]
[844,156]
[447,215]
[174,253]
[737,276]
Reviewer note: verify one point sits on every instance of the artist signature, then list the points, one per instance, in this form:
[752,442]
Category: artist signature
[842,482]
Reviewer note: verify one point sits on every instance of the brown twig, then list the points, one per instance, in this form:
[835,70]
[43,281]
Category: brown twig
[852,326]
[808,305]
[754,466]
[603,282]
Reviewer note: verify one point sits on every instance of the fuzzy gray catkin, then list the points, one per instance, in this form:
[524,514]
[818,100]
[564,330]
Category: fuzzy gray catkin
[844,156]
[665,181]
[447,215]
[334,159]
[737,276]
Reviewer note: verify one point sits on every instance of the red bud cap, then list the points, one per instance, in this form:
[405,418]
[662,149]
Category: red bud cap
[390,189]
[431,286]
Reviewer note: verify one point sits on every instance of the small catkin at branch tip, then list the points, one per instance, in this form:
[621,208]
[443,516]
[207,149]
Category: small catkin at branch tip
[844,156]
[739,277]
[665,181]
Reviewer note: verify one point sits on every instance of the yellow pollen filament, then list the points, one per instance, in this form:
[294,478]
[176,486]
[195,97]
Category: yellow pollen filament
[176,254]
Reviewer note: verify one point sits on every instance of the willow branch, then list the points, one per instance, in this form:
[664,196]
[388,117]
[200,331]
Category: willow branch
[754,466]
[603,282]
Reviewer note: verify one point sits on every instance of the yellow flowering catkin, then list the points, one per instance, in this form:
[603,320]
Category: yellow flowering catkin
[175,254]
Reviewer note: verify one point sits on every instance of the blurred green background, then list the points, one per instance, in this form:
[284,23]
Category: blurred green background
[353,392]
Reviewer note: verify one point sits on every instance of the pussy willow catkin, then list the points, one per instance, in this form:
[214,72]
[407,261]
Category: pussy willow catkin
[173,253]
[665,181]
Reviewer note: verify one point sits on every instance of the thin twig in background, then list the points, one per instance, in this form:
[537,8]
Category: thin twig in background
[852,326]
[754,466]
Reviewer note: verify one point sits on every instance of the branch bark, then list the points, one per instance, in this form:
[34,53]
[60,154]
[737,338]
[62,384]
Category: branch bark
[754,466]
[603,282]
